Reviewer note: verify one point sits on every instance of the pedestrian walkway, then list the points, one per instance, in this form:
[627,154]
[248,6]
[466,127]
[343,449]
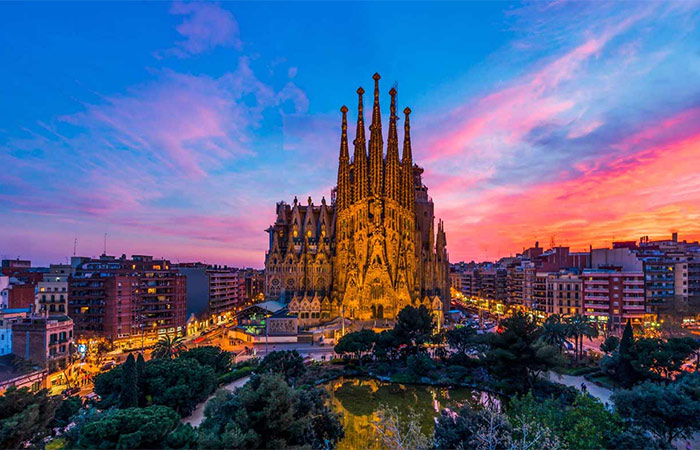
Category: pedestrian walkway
[197,416]
[596,391]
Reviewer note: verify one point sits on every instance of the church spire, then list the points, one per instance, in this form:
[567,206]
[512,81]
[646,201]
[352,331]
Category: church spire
[376,145]
[360,155]
[392,181]
[408,188]
[344,164]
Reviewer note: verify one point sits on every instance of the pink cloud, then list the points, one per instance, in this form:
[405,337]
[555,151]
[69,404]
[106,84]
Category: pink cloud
[204,27]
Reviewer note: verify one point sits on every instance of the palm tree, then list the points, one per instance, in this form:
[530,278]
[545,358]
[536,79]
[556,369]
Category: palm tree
[579,327]
[554,332]
[169,347]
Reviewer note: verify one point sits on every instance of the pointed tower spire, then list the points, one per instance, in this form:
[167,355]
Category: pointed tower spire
[392,179]
[360,156]
[409,194]
[343,200]
[376,145]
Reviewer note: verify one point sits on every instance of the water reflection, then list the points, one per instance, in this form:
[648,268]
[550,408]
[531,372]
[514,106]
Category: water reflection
[358,399]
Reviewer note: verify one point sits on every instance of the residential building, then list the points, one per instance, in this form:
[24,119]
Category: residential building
[46,341]
[119,299]
[564,294]
[612,297]
[7,318]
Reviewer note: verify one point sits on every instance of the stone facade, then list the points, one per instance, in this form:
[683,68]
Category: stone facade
[374,249]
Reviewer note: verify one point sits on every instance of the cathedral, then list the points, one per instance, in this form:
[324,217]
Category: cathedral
[374,249]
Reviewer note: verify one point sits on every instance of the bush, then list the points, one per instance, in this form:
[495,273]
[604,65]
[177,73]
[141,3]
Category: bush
[420,364]
[235,374]
[457,374]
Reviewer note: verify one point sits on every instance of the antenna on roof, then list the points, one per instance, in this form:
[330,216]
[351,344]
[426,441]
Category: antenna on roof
[104,250]
[75,246]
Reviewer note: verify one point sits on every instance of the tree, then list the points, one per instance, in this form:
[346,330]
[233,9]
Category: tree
[268,413]
[211,356]
[669,411]
[386,346]
[610,345]
[66,410]
[357,343]
[414,327]
[140,375]
[579,327]
[395,435]
[289,364]
[129,428]
[462,339]
[489,429]
[625,372]
[179,383]
[25,416]
[168,347]
[129,396]
[554,332]
[517,356]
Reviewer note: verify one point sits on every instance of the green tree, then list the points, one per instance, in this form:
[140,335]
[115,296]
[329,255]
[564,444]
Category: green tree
[625,372]
[584,424]
[66,410]
[179,383]
[129,396]
[356,343]
[669,411]
[386,346]
[140,376]
[289,364]
[579,327]
[517,356]
[169,347]
[414,327]
[610,345]
[145,428]
[268,413]
[25,416]
[214,357]
[554,332]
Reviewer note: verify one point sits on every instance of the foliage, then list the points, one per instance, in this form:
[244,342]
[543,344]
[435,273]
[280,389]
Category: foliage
[414,327]
[517,356]
[25,416]
[584,424]
[211,356]
[397,435]
[179,383]
[235,374]
[129,395]
[288,363]
[129,428]
[140,371]
[611,344]
[420,364]
[669,411]
[489,429]
[554,332]
[67,408]
[268,413]
[386,345]
[624,371]
[579,327]
[169,347]
[462,339]
[356,343]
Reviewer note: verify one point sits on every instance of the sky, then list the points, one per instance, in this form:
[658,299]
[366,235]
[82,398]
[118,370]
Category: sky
[174,128]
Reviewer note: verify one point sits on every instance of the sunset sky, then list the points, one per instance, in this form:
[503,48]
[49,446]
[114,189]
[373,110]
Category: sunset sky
[175,127]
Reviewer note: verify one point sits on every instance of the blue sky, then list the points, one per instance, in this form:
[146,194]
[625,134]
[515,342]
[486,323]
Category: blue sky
[175,127]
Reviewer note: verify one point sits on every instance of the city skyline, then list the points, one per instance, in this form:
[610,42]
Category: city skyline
[174,130]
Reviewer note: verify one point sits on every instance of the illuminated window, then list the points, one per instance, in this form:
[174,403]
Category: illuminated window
[156,267]
[151,290]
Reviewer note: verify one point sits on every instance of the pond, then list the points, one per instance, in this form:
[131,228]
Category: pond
[359,399]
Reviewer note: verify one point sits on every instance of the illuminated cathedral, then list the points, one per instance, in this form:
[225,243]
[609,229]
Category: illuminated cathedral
[374,249]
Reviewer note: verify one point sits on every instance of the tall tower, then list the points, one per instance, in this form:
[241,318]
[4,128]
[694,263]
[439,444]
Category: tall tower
[360,181]
[392,186]
[408,188]
[344,193]
[376,145]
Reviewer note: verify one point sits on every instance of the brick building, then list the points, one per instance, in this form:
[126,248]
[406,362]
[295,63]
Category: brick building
[612,297]
[46,341]
[118,298]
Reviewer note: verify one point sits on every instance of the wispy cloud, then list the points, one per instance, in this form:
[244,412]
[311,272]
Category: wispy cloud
[204,27]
